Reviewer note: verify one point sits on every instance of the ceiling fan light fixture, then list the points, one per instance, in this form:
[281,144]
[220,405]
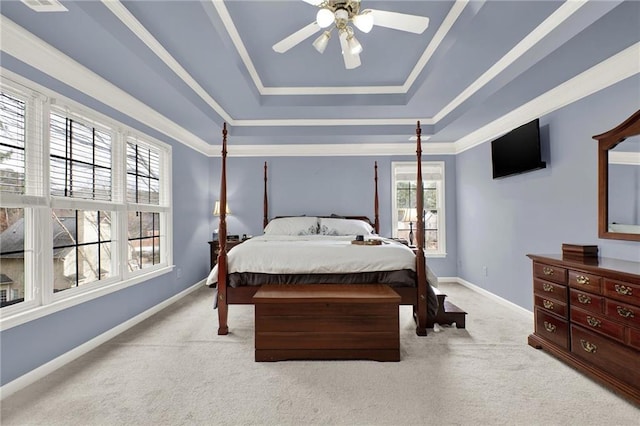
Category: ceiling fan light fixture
[342,17]
[354,45]
[321,42]
[325,17]
[364,21]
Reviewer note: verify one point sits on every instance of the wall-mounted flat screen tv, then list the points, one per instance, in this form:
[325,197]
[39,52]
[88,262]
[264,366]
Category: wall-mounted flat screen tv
[517,151]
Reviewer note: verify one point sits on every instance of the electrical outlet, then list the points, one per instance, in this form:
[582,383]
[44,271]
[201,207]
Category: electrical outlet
[179,272]
[485,270]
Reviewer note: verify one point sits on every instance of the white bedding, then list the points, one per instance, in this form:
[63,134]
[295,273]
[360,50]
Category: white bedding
[315,254]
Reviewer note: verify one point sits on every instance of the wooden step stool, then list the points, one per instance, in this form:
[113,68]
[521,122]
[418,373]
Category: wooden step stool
[448,313]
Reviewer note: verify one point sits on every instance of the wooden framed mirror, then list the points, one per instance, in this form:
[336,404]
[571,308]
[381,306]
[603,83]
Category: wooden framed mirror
[619,181]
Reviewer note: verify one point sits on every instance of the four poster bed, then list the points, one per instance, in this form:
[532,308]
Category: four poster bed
[320,250]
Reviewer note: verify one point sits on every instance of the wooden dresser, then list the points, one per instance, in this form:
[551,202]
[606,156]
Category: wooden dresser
[587,313]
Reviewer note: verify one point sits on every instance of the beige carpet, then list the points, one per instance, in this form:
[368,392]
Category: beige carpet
[174,370]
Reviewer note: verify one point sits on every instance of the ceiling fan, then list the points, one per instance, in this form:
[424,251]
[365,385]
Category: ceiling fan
[342,13]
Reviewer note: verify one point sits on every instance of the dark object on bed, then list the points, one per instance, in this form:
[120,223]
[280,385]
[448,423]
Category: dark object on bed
[420,295]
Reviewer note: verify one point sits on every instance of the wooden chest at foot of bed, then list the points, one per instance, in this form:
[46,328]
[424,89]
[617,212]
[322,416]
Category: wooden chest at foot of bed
[326,321]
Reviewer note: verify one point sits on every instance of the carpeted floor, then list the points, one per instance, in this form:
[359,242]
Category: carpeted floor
[173,369]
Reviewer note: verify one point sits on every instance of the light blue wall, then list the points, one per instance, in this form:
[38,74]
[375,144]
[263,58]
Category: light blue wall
[500,221]
[322,186]
[28,346]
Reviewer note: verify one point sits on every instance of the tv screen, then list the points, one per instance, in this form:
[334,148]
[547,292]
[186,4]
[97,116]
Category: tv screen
[517,151]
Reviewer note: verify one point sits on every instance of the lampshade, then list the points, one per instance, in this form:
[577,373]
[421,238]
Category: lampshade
[325,17]
[216,209]
[364,21]
[321,42]
[410,215]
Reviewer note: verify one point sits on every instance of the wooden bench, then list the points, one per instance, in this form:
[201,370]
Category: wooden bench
[327,321]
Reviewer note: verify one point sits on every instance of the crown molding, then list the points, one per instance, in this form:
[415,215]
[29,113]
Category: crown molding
[608,72]
[333,150]
[301,122]
[21,44]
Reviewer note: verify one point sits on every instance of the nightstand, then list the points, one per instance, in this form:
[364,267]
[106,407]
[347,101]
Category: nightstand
[214,249]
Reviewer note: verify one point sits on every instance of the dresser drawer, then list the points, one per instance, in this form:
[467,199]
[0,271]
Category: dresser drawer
[597,323]
[612,357]
[587,301]
[551,290]
[625,292]
[587,282]
[552,328]
[551,305]
[550,273]
[619,311]
[634,338]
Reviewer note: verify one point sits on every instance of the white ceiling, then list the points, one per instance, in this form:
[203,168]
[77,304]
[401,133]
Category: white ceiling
[201,63]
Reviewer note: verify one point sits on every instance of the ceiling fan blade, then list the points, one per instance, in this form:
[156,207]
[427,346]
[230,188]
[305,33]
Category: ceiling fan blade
[351,60]
[296,38]
[314,2]
[400,21]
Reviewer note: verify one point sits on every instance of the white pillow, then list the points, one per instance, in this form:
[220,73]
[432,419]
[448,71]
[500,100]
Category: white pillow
[298,225]
[331,226]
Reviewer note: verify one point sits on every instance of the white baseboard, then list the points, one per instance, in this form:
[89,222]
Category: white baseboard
[45,369]
[484,292]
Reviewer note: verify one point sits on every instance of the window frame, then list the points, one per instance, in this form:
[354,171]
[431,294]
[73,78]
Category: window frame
[440,201]
[38,205]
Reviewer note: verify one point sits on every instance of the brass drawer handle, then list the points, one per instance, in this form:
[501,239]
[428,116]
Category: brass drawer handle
[547,287]
[549,327]
[593,322]
[624,312]
[623,290]
[547,271]
[581,279]
[588,346]
[548,304]
[584,299]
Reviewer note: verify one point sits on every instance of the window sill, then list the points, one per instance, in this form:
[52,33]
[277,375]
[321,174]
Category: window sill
[30,314]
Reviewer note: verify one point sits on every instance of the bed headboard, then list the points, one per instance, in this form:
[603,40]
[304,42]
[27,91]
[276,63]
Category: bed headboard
[375,224]
[333,216]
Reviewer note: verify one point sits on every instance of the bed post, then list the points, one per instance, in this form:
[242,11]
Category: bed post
[376,222]
[265,219]
[421,303]
[223,307]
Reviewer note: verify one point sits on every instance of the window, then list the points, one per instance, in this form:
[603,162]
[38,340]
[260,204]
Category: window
[81,247]
[404,213]
[12,255]
[12,142]
[87,194]
[144,199]
[80,160]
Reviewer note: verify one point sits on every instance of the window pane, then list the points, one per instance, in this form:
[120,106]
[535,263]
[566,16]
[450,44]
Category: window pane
[144,241]
[81,253]
[64,231]
[134,227]
[12,143]
[143,174]
[12,286]
[80,160]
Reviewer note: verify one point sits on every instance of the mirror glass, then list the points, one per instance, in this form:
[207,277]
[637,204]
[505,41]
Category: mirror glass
[624,187]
